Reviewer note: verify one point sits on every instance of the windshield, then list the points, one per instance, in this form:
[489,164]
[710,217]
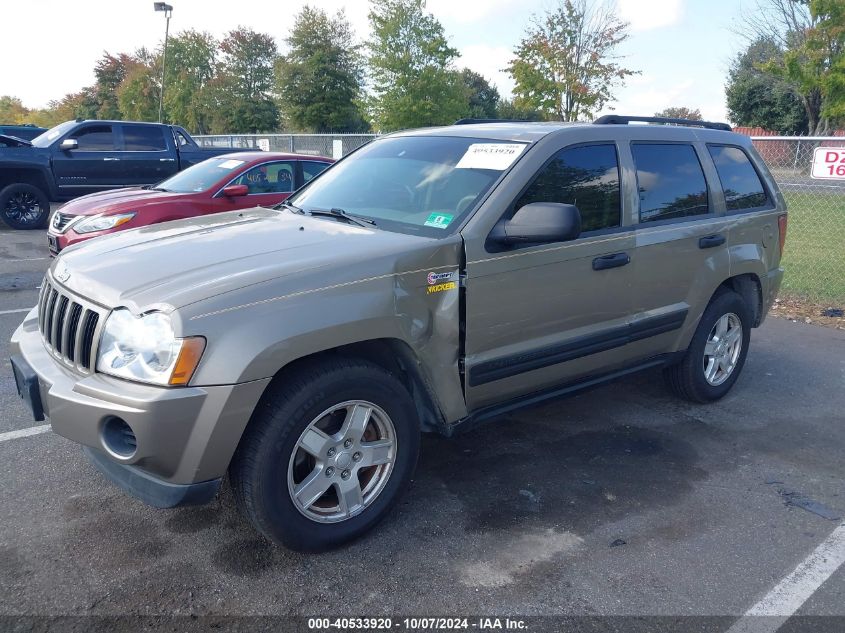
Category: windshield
[201,176]
[46,138]
[412,184]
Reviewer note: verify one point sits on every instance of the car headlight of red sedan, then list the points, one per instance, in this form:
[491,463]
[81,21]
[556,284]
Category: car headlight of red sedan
[103,222]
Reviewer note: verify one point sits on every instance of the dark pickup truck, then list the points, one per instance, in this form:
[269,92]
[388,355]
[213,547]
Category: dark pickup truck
[80,157]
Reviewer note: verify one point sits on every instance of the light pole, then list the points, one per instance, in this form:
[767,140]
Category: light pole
[168,9]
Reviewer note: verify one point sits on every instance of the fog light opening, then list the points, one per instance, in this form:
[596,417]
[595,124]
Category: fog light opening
[118,438]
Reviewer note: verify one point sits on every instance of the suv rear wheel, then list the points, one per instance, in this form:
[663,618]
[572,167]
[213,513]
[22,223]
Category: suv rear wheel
[717,352]
[24,206]
[326,454]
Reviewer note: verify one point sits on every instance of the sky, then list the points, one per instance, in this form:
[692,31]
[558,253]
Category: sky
[682,48]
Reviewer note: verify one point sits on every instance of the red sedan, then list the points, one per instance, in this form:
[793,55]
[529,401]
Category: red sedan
[222,183]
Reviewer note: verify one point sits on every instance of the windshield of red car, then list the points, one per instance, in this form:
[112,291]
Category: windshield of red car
[412,184]
[201,176]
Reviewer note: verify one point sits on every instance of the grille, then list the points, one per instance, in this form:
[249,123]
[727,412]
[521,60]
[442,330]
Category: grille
[70,328]
[61,220]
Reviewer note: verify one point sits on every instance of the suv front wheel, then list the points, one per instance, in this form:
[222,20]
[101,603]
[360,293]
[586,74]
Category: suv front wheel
[326,454]
[716,354]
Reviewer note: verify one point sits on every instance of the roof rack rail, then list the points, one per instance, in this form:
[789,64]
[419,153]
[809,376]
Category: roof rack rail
[479,121]
[618,119]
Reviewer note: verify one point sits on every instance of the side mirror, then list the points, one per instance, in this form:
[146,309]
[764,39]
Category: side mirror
[540,222]
[69,144]
[235,191]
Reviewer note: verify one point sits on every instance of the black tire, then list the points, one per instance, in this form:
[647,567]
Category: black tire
[24,207]
[687,378]
[259,469]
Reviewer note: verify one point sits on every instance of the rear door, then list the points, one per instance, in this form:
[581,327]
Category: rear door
[93,166]
[148,156]
[681,254]
[545,314]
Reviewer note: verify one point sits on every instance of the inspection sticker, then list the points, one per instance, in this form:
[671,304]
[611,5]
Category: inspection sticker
[498,156]
[829,163]
[439,220]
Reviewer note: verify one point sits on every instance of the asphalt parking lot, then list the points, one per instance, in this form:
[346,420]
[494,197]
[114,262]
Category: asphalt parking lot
[620,501]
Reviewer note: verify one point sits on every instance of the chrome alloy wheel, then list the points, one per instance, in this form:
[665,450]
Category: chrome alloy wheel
[23,207]
[342,461]
[721,352]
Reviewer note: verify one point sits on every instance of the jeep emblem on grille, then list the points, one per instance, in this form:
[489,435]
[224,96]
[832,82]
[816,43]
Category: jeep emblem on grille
[61,272]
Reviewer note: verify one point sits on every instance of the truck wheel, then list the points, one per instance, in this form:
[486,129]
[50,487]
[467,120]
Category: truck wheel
[716,354]
[326,454]
[23,206]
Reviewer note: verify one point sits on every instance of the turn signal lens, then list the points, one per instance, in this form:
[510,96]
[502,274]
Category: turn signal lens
[782,230]
[188,360]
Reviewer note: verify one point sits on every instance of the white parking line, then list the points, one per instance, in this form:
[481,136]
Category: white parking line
[27,259]
[789,594]
[17,311]
[33,430]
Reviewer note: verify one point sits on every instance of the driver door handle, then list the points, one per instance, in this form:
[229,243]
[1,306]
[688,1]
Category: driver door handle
[611,261]
[109,158]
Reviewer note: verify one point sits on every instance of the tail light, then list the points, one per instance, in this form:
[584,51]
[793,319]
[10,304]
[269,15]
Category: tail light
[782,230]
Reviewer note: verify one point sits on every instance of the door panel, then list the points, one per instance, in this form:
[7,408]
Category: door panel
[93,166]
[145,159]
[681,253]
[544,316]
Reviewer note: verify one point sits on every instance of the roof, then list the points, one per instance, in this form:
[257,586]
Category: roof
[528,131]
[259,156]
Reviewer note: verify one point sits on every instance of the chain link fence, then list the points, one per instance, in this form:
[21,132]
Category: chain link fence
[815,248]
[331,145]
[814,258]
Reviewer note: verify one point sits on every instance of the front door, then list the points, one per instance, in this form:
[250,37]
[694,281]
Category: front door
[541,315]
[93,166]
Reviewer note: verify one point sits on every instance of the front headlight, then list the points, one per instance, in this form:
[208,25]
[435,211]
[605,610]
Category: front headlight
[103,222]
[145,349]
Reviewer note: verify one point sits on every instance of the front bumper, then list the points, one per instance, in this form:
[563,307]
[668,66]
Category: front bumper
[185,436]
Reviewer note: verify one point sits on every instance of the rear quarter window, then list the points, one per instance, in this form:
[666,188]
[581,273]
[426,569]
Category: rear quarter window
[740,181]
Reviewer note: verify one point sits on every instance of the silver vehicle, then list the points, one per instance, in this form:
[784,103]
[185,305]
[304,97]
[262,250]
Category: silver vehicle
[431,279]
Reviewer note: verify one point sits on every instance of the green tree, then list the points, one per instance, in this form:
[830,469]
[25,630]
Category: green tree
[483,98]
[680,112]
[138,93]
[756,99]
[508,109]
[240,94]
[319,80]
[811,34]
[76,105]
[566,64]
[12,110]
[110,71]
[414,82]
[191,67]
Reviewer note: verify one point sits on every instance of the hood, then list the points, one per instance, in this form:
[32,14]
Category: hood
[173,264]
[119,201]
[13,141]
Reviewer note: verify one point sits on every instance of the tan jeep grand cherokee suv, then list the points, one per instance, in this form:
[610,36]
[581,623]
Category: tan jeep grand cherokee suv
[430,279]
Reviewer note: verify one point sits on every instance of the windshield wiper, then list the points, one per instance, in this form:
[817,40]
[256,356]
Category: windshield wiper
[353,218]
[289,205]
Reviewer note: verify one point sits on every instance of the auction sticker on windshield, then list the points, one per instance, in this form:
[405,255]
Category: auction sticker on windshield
[498,156]
[829,163]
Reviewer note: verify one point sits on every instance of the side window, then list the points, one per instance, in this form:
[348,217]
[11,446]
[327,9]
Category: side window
[268,178]
[181,139]
[311,169]
[670,180]
[95,138]
[586,176]
[740,182]
[143,138]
